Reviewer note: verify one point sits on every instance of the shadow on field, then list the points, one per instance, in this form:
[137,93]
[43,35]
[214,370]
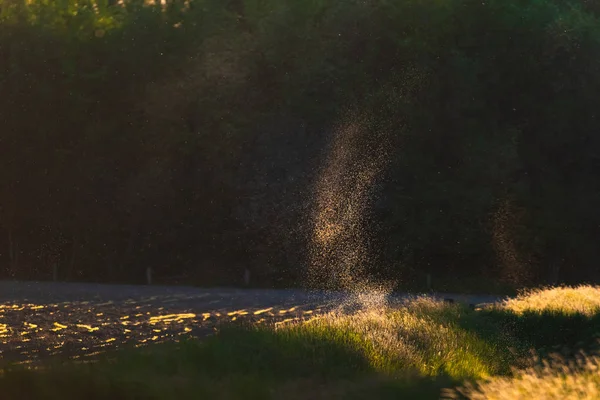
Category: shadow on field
[240,362]
[549,332]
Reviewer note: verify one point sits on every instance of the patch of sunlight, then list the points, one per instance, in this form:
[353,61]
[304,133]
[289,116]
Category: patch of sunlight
[238,312]
[264,310]
[170,318]
[186,330]
[12,307]
[58,327]
[88,327]
[288,310]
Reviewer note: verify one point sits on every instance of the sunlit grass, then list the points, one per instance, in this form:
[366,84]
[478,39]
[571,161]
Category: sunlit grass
[584,299]
[558,379]
[411,337]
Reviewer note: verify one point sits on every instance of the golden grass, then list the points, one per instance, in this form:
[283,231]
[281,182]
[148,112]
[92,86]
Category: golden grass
[584,299]
[407,338]
[549,380]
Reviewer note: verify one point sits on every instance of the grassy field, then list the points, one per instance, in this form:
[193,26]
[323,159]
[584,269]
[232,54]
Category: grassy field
[528,347]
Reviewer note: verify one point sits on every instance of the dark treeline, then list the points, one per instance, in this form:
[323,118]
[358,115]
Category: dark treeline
[188,136]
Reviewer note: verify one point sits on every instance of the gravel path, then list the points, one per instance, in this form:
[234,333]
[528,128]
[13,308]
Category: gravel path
[79,320]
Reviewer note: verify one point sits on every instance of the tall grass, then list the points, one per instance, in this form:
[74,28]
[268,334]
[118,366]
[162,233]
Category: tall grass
[412,337]
[583,299]
[557,379]
[557,323]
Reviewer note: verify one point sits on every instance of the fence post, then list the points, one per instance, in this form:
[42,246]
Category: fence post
[246,277]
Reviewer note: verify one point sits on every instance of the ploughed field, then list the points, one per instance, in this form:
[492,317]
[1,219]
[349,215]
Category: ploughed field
[78,321]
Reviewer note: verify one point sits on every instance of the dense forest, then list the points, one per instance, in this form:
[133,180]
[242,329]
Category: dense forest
[189,137]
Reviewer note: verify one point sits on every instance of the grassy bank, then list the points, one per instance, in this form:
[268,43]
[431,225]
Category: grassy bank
[415,349]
